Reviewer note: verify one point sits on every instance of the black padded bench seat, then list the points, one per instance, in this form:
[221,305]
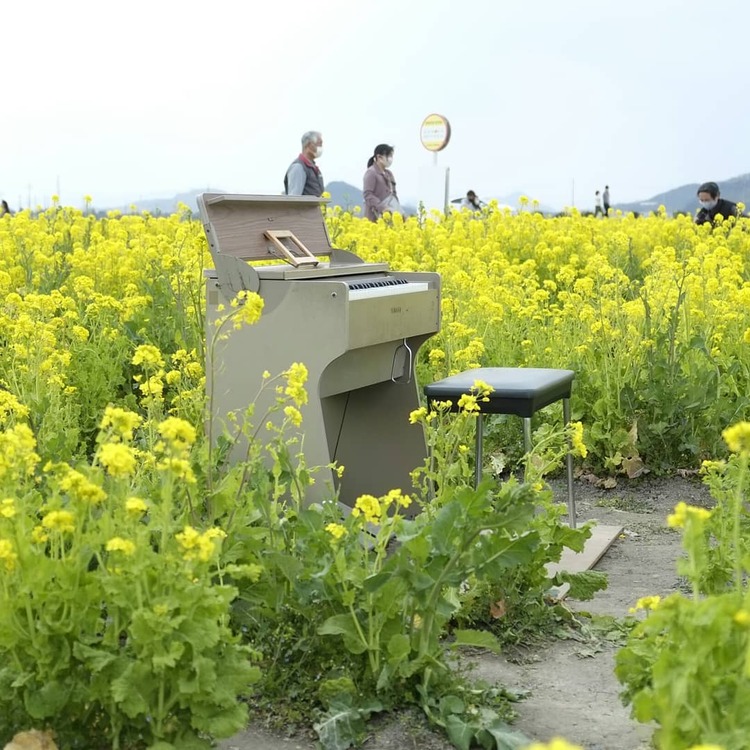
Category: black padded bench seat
[521,391]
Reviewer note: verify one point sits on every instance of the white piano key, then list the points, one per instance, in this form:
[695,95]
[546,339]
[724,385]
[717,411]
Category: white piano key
[387,291]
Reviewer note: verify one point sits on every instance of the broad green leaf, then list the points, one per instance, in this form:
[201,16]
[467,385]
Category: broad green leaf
[477,638]
[131,689]
[344,625]
[222,722]
[505,737]
[95,659]
[583,585]
[340,729]
[399,647]
[47,700]
[451,704]
[338,625]
[290,567]
[372,583]
[459,732]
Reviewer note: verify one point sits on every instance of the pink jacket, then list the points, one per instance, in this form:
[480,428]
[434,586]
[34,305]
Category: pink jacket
[379,186]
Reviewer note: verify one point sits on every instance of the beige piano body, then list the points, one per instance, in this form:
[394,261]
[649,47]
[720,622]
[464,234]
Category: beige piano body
[356,326]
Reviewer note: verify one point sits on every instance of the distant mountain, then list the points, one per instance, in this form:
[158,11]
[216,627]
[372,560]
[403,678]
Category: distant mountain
[345,195]
[163,206]
[342,194]
[684,199]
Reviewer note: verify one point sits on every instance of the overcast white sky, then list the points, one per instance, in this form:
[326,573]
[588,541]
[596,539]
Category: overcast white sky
[145,99]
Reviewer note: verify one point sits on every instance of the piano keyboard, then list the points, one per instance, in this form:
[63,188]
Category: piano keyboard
[367,290]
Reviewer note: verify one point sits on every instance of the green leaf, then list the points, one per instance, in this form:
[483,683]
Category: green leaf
[338,625]
[131,689]
[344,625]
[340,729]
[477,638]
[451,704]
[95,659]
[222,722]
[372,583]
[505,737]
[399,648]
[459,732]
[290,567]
[47,700]
[583,585]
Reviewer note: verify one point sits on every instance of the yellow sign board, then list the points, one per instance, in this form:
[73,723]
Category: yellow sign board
[435,132]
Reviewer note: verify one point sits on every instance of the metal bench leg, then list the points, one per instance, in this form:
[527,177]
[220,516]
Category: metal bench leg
[527,434]
[526,444]
[569,461]
[478,452]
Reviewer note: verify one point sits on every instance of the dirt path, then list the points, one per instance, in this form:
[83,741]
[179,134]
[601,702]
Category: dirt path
[571,689]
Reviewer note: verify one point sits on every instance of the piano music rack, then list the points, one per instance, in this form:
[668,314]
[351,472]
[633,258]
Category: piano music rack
[304,258]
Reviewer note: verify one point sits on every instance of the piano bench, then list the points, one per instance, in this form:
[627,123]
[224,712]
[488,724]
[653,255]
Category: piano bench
[515,390]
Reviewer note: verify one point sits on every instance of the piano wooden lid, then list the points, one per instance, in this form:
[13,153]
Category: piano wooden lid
[235,223]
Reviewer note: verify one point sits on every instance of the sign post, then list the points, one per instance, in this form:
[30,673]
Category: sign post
[435,134]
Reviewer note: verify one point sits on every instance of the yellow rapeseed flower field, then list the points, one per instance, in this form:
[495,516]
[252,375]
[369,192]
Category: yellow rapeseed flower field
[653,315]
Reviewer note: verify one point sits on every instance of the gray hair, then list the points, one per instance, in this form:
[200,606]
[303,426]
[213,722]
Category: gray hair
[310,137]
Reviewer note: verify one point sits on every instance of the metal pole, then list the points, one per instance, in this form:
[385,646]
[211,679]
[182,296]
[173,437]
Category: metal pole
[447,190]
[569,465]
[478,453]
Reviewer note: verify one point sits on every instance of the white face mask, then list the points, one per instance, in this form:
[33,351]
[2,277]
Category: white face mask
[318,152]
[708,204]
[388,161]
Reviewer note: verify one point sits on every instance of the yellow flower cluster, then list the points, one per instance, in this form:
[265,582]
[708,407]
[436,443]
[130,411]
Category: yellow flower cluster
[248,309]
[296,377]
[468,403]
[135,507]
[418,415]
[18,457]
[80,488]
[148,356]
[372,509]
[8,555]
[555,744]
[118,459]
[294,415]
[118,544]
[10,406]
[59,520]
[646,602]
[369,507]
[179,433]
[737,437]
[179,467]
[197,546]
[336,530]
[122,422]
[683,512]
[576,439]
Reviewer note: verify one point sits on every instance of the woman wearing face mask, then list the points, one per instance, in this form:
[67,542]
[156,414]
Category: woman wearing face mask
[712,204]
[379,189]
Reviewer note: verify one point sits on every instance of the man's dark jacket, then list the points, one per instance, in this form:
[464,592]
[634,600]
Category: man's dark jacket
[723,207]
